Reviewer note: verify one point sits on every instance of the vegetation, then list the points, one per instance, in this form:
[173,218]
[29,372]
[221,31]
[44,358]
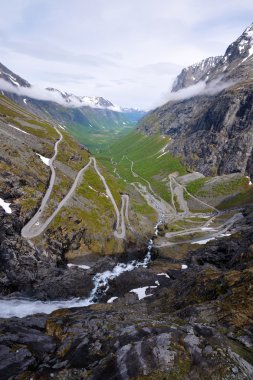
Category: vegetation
[242,199]
[231,186]
[139,158]
[96,139]
[195,186]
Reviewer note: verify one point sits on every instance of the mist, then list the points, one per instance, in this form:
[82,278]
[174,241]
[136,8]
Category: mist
[201,88]
[34,92]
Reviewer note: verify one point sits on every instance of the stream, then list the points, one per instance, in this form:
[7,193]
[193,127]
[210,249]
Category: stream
[21,307]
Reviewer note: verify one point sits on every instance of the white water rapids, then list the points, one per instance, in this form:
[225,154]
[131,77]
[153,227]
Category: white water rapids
[20,307]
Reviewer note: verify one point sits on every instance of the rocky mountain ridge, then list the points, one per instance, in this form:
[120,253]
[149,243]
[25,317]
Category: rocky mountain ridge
[213,132]
[235,64]
[70,99]
[83,116]
[174,302]
[11,78]
[195,73]
[85,101]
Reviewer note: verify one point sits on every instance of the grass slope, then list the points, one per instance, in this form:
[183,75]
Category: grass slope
[95,138]
[149,162]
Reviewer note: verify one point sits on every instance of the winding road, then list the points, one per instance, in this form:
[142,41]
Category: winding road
[169,213]
[165,211]
[34,227]
[28,230]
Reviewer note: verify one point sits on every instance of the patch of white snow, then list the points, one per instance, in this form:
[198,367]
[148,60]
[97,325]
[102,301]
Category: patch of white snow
[250,183]
[18,129]
[45,160]
[204,241]
[92,188]
[5,206]
[207,229]
[141,292]
[79,266]
[163,274]
[111,300]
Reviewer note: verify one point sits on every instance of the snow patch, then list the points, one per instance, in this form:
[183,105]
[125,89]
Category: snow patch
[92,188]
[163,274]
[111,300]
[18,129]
[45,160]
[162,154]
[5,206]
[204,241]
[78,266]
[141,292]
[250,183]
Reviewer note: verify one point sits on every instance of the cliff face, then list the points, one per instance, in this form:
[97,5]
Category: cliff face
[193,74]
[212,132]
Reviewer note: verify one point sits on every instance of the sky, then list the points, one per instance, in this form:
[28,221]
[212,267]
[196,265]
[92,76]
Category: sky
[128,51]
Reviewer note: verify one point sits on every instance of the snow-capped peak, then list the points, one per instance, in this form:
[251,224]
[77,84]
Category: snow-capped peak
[196,72]
[86,101]
[12,78]
[242,47]
[249,31]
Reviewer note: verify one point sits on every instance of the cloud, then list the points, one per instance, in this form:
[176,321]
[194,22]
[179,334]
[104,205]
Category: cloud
[147,41]
[34,92]
[201,88]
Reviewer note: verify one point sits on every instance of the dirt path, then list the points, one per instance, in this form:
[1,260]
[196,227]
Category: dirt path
[212,234]
[30,229]
[34,228]
[192,196]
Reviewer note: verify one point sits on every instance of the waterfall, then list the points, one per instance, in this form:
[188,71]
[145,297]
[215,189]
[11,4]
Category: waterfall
[21,307]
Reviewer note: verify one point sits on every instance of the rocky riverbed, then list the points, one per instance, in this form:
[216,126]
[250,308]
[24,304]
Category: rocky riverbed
[189,317]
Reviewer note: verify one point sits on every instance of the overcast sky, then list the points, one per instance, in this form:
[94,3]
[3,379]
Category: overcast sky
[128,51]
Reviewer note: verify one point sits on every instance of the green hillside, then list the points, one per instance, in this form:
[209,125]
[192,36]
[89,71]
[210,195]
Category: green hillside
[139,155]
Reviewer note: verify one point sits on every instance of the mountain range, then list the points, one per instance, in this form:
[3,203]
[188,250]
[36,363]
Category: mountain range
[132,259]
[82,115]
[211,130]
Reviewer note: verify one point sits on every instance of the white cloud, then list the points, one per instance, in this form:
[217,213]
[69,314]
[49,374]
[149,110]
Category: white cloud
[110,40]
[201,88]
[34,92]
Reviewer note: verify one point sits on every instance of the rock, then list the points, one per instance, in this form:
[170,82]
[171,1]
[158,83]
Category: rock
[211,132]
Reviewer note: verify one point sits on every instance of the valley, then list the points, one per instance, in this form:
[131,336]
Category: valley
[126,245]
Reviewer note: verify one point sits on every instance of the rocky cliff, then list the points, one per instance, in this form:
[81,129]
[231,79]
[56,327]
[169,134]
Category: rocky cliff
[193,74]
[212,131]
[199,330]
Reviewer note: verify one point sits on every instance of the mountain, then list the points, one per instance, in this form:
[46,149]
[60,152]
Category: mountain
[12,78]
[39,165]
[212,131]
[85,117]
[129,264]
[85,101]
[193,74]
